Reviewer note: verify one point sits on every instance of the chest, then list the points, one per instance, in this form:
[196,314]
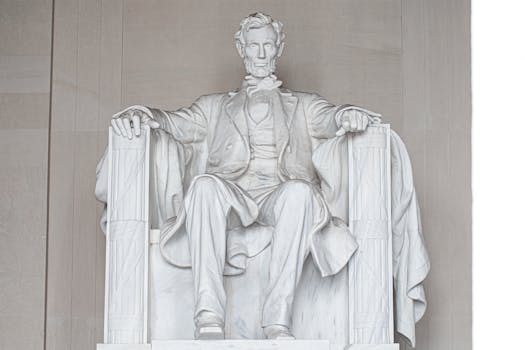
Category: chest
[257,109]
[260,120]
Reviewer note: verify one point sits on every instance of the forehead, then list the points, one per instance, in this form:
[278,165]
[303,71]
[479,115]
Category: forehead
[264,33]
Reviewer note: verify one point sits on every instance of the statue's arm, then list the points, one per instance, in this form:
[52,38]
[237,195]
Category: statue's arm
[328,120]
[322,116]
[186,125]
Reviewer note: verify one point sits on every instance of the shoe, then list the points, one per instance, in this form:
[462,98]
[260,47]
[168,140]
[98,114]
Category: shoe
[212,331]
[208,326]
[278,332]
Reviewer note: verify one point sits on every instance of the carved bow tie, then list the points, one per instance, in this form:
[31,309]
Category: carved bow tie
[254,85]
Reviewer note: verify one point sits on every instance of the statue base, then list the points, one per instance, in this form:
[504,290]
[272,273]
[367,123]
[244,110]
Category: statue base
[244,345]
[123,346]
[373,347]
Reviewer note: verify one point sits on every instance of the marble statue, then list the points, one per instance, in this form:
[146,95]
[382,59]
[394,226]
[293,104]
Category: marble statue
[273,158]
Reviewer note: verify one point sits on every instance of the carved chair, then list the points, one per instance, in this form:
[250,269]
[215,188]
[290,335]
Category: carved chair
[147,299]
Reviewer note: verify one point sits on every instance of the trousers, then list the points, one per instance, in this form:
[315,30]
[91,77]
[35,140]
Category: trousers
[292,209]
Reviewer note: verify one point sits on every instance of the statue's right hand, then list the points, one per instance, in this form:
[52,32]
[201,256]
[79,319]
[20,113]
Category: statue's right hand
[127,123]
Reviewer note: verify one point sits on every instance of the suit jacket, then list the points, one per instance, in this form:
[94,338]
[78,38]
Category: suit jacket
[301,120]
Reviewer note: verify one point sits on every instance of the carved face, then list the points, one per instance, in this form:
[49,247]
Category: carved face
[260,51]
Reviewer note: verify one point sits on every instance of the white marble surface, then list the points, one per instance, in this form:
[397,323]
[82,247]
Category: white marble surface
[370,272]
[373,347]
[242,345]
[127,240]
[124,347]
[318,298]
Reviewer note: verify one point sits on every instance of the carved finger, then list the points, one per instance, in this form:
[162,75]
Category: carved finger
[346,125]
[340,132]
[153,124]
[121,127]
[136,124]
[125,115]
[115,127]
[358,124]
[353,124]
[365,122]
[361,123]
[127,125]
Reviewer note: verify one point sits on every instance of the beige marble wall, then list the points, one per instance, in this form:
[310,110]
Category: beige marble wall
[408,59]
[436,126]
[25,64]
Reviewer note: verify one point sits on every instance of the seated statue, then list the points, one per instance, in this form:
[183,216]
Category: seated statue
[264,164]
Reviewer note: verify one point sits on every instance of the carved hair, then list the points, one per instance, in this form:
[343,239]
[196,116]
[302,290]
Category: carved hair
[258,20]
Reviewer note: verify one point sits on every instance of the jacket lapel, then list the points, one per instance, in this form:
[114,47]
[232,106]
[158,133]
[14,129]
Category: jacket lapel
[235,111]
[289,105]
[284,105]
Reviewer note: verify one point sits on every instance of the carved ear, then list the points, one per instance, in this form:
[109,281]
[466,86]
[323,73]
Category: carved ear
[240,48]
[280,49]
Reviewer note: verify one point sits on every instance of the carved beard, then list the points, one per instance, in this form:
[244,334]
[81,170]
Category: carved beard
[260,72]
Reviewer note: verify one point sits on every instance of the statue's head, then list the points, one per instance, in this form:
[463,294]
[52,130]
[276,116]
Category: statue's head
[260,41]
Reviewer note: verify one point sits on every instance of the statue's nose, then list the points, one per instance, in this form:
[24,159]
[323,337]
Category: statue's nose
[262,52]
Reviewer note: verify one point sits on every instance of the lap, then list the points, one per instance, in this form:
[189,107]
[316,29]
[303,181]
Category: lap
[289,192]
[296,191]
[210,189]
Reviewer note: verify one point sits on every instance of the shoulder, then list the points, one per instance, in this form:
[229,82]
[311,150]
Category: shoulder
[211,99]
[299,94]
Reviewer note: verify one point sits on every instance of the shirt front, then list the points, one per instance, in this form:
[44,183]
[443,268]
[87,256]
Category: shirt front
[260,179]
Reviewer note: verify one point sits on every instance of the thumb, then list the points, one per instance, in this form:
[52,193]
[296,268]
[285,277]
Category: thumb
[153,124]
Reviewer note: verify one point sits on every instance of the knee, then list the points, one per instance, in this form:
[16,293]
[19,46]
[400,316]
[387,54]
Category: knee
[203,185]
[297,189]
[297,200]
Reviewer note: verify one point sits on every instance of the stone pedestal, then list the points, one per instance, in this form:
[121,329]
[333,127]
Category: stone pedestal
[243,345]
[373,347]
[123,346]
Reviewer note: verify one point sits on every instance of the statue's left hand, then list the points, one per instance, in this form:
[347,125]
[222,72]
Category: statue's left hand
[356,119]
[127,123]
